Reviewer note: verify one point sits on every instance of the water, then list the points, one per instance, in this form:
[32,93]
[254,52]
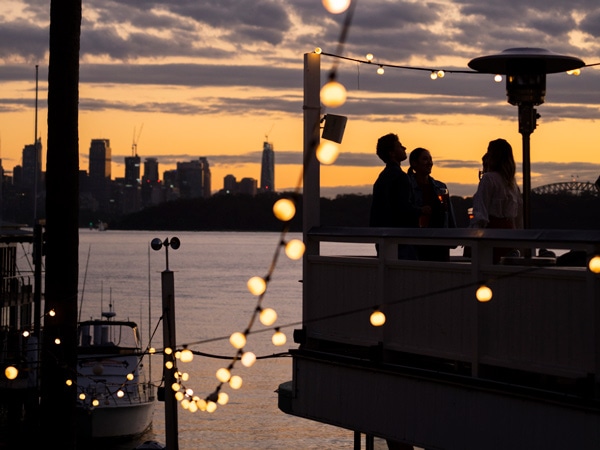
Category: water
[211,302]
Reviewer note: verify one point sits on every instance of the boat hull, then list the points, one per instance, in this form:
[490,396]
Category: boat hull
[115,422]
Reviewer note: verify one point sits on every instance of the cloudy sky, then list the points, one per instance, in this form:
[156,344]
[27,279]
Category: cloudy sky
[215,78]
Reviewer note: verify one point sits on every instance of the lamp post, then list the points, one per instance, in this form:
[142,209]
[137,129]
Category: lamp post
[525,69]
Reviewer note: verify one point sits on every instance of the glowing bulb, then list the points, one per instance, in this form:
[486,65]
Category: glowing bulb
[441,73]
[237,340]
[377,318]
[294,249]
[120,393]
[69,382]
[177,354]
[248,359]
[257,285]
[95,402]
[57,341]
[168,351]
[370,57]
[185,403]
[179,396]
[51,313]
[594,264]
[498,78]
[223,398]
[433,75]
[484,294]
[380,70]
[223,375]
[186,356]
[284,209]
[318,50]
[235,382]
[211,407]
[11,372]
[268,316]
[130,376]
[189,392]
[185,376]
[201,404]
[327,152]
[192,407]
[82,396]
[333,94]
[151,350]
[26,333]
[575,72]
[336,6]
[278,338]
[175,386]
[169,365]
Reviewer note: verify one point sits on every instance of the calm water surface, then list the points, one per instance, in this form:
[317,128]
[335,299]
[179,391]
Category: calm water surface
[211,302]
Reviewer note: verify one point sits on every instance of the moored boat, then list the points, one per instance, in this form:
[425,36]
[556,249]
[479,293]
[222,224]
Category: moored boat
[115,399]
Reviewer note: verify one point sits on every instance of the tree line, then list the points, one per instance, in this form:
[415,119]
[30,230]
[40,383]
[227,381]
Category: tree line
[254,213]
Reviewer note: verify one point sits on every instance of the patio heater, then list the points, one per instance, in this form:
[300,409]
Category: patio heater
[525,70]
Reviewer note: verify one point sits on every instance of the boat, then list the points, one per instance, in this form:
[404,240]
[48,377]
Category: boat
[115,399]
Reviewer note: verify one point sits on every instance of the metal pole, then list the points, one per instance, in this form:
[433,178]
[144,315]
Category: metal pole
[168,306]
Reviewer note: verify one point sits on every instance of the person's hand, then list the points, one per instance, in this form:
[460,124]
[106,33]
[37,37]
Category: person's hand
[426,210]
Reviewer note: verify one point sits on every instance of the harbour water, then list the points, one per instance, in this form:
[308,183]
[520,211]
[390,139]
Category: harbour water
[210,270]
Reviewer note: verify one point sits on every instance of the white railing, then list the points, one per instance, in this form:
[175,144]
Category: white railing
[542,318]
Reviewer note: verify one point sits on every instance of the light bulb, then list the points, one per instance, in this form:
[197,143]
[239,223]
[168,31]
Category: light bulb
[594,264]
[186,356]
[175,386]
[284,209]
[51,313]
[433,75]
[192,407]
[151,350]
[130,376]
[336,6]
[377,318]
[333,94]
[179,396]
[268,316]
[223,398]
[498,78]
[211,407]
[294,249]
[327,152]
[201,404]
[575,72]
[223,375]
[248,359]
[11,372]
[185,403]
[177,354]
[235,382]
[318,50]
[168,351]
[69,382]
[369,57]
[380,70]
[257,285]
[278,338]
[185,376]
[57,341]
[169,365]
[82,396]
[237,340]
[120,393]
[484,294]
[95,402]
[441,73]
[26,333]
[189,392]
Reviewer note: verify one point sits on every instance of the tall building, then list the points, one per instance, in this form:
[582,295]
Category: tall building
[205,168]
[151,185]
[194,178]
[100,172]
[131,185]
[32,166]
[267,171]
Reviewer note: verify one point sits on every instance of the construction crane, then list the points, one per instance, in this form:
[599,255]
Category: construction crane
[136,138]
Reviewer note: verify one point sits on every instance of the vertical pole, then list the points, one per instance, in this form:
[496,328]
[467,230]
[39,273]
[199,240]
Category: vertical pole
[311,169]
[526,182]
[168,306]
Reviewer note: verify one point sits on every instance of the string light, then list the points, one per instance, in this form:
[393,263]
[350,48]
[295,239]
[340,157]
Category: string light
[235,382]
[294,249]
[268,316]
[377,318]
[380,70]
[327,152]
[11,372]
[278,338]
[333,94]
[498,78]
[248,359]
[483,294]
[594,264]
[257,285]
[284,209]
[186,356]
[223,375]
[336,6]
[237,340]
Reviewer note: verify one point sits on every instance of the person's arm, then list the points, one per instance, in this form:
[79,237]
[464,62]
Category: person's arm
[481,202]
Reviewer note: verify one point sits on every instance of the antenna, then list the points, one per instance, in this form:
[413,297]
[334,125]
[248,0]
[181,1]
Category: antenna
[136,138]
[268,132]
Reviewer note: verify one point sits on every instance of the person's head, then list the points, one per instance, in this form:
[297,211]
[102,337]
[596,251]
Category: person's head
[500,159]
[390,149]
[420,161]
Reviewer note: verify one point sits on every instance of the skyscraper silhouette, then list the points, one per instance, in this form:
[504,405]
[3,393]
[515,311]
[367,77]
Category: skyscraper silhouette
[267,171]
[100,172]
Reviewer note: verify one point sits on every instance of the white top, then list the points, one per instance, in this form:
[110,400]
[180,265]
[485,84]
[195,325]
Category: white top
[495,198]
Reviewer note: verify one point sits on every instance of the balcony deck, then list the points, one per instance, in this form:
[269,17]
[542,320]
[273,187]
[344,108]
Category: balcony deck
[530,356]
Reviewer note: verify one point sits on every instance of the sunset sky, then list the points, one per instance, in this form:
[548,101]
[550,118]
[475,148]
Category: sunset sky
[215,78]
